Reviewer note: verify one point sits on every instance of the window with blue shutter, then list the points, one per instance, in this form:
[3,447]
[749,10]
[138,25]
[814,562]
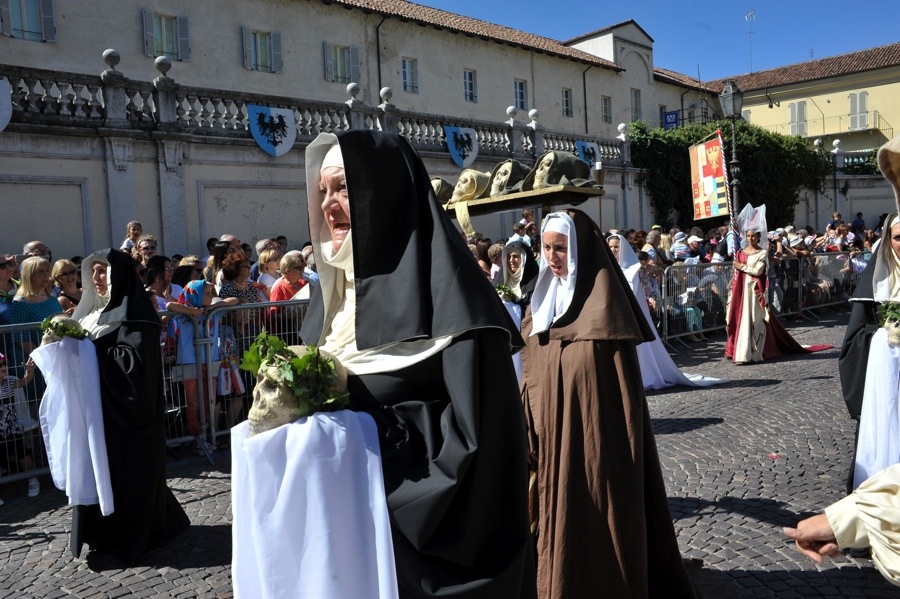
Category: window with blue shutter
[166,35]
[341,63]
[33,20]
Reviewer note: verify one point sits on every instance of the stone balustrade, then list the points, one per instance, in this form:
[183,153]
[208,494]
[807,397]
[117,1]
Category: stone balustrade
[55,98]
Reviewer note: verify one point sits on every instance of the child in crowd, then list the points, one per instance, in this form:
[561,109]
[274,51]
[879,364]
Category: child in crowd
[12,445]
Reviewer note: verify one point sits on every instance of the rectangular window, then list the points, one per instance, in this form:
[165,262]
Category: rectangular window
[262,50]
[662,115]
[470,85]
[567,102]
[341,63]
[520,92]
[606,108]
[636,114]
[859,107]
[798,118]
[409,68]
[166,35]
[31,20]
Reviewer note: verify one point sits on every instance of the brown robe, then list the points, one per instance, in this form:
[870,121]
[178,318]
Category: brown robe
[600,511]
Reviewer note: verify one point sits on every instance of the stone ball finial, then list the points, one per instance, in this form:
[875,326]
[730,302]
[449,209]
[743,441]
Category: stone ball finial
[818,142]
[111,58]
[162,64]
[353,89]
[512,111]
[533,114]
[386,94]
[623,128]
[836,144]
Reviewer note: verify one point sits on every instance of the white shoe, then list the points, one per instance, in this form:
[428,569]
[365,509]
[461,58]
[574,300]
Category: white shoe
[34,487]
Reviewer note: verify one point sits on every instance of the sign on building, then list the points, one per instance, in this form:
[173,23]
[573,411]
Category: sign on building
[462,143]
[274,129]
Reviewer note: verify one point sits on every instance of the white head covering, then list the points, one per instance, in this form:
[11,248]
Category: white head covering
[338,285]
[513,280]
[553,295]
[92,303]
[628,260]
[886,277]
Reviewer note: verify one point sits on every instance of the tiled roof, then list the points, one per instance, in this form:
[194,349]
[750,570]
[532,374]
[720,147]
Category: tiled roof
[473,27]
[667,76]
[605,29]
[843,64]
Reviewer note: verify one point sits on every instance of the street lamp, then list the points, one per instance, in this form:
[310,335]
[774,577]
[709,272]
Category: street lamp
[731,99]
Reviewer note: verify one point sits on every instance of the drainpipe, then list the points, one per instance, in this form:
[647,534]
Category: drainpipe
[584,91]
[378,50]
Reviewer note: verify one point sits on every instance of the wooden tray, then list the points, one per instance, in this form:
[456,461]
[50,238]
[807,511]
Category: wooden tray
[557,195]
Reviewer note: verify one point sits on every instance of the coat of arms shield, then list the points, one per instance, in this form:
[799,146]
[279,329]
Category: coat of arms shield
[274,129]
[588,151]
[5,103]
[462,143]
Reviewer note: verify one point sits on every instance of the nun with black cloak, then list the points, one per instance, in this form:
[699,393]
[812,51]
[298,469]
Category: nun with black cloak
[125,329]
[600,511]
[427,346]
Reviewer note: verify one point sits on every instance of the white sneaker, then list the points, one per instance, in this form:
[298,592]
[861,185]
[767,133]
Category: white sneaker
[34,487]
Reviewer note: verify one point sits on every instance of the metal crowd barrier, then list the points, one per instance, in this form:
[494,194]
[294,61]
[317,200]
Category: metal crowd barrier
[687,300]
[226,406]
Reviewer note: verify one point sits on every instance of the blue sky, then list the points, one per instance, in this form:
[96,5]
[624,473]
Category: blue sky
[711,36]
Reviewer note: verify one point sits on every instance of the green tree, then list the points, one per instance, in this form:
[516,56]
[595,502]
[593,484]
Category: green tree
[773,169]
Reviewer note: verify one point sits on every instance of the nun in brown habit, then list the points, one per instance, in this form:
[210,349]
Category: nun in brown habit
[598,508]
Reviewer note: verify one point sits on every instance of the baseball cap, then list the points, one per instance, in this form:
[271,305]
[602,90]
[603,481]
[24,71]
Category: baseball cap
[694,238]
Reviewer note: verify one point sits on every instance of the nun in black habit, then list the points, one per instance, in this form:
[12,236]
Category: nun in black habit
[125,329]
[427,346]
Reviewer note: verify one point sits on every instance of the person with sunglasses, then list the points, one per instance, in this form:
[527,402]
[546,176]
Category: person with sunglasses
[65,277]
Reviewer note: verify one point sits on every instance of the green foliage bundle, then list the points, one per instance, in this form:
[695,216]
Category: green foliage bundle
[309,376]
[888,311]
[773,169]
[506,293]
[62,328]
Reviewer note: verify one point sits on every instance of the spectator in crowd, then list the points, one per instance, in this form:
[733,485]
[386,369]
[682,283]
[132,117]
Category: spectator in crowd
[196,297]
[8,287]
[163,264]
[310,274]
[261,246]
[13,453]
[696,249]
[867,518]
[651,247]
[481,253]
[283,242]
[859,223]
[133,232]
[33,303]
[665,247]
[680,249]
[39,249]
[210,246]
[176,260]
[222,249]
[495,255]
[248,251]
[186,273]
[519,234]
[146,248]
[527,217]
[268,268]
[600,524]
[835,220]
[637,240]
[291,280]
[650,284]
[65,276]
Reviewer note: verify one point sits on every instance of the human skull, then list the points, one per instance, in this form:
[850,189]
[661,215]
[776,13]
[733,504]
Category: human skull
[501,178]
[51,337]
[542,171]
[465,187]
[893,331]
[275,404]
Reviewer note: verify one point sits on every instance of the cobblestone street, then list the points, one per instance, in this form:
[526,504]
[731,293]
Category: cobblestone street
[741,460]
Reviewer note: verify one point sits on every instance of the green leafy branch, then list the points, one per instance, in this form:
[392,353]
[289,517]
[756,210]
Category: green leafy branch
[506,293]
[888,311]
[310,376]
[62,328]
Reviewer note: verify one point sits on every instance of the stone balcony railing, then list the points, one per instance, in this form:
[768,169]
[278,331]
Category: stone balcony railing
[111,100]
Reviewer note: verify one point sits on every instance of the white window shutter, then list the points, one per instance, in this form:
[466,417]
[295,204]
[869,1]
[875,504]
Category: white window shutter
[863,105]
[183,28]
[329,61]
[48,21]
[354,64]
[277,56]
[247,43]
[149,43]
[801,119]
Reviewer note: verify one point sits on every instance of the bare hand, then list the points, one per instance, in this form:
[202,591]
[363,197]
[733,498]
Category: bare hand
[814,538]
[30,365]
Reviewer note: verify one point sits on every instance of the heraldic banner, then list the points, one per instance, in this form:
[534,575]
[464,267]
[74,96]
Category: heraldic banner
[709,180]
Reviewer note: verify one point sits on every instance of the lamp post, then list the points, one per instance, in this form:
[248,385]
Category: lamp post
[731,99]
